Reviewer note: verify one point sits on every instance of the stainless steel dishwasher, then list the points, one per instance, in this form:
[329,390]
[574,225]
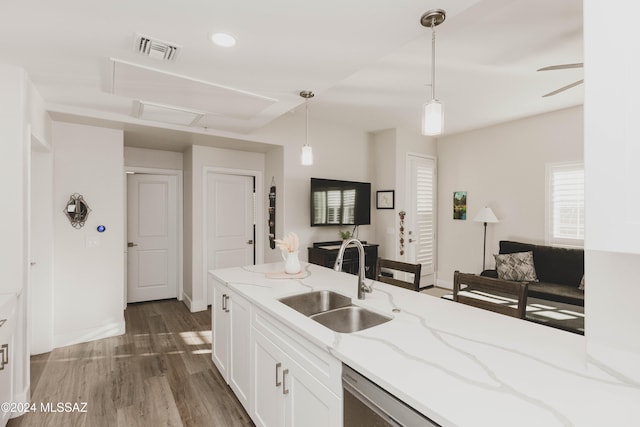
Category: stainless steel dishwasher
[368,405]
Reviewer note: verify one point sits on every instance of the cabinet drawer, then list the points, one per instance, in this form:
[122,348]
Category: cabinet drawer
[317,361]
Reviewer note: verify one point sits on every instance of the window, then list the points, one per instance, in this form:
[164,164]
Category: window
[565,204]
[334,207]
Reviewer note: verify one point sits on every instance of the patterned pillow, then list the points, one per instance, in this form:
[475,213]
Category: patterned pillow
[517,267]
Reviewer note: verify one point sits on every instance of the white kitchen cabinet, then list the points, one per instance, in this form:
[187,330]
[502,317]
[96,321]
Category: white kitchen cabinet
[285,393]
[268,395]
[7,361]
[240,348]
[220,328]
[231,341]
[308,402]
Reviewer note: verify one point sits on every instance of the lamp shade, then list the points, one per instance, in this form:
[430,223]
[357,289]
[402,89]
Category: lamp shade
[486,215]
[432,118]
[307,155]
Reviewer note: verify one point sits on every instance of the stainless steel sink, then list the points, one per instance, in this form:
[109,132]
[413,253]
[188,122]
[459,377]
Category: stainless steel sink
[334,311]
[316,302]
[350,319]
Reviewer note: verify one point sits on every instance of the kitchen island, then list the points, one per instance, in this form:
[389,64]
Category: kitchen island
[457,365]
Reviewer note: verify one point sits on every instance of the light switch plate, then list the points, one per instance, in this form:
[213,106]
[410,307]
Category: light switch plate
[91,242]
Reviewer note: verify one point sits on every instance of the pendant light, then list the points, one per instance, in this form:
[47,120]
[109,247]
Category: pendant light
[432,111]
[307,152]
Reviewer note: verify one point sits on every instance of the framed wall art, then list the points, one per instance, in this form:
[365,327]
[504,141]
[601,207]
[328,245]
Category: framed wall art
[385,199]
[460,205]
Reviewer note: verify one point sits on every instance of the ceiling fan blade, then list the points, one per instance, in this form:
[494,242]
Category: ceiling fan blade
[563,88]
[562,67]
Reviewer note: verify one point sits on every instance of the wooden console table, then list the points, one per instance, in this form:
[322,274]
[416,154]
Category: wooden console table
[325,254]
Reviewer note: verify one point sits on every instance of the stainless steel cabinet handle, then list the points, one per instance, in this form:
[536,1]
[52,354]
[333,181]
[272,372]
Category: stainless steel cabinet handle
[284,386]
[226,305]
[131,244]
[249,242]
[224,302]
[278,366]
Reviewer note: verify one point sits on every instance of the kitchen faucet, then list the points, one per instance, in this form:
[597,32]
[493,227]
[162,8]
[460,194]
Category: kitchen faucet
[362,288]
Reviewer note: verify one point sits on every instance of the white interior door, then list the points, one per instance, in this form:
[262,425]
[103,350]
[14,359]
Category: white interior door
[421,218]
[230,220]
[152,237]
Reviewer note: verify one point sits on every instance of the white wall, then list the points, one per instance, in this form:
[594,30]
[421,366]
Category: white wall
[197,158]
[383,164]
[612,153]
[155,159]
[13,173]
[339,153]
[88,265]
[502,167]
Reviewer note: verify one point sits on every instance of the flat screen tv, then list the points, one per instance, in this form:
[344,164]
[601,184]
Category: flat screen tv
[335,202]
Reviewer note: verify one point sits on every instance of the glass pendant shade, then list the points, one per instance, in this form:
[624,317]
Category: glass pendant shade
[432,118]
[307,155]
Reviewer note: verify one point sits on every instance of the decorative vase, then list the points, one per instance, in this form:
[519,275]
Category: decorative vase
[291,262]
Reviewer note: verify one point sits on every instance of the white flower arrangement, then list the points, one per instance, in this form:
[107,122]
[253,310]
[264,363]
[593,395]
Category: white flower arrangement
[290,243]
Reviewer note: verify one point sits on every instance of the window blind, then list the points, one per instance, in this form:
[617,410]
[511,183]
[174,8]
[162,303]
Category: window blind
[566,204]
[425,217]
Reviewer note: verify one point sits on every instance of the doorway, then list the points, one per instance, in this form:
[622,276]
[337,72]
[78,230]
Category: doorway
[231,232]
[421,217]
[40,273]
[153,251]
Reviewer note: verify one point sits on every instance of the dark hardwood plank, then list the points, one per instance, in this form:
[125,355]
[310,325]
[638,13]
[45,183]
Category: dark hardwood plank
[159,373]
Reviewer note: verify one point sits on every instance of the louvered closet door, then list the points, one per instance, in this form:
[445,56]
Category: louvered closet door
[421,219]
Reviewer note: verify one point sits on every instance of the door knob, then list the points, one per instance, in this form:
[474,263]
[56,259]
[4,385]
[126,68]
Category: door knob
[250,242]
[131,244]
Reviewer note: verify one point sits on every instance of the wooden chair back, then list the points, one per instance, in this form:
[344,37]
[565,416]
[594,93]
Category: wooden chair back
[405,267]
[500,288]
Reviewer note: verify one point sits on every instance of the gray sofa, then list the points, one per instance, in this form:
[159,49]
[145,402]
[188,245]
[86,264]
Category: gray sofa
[559,271]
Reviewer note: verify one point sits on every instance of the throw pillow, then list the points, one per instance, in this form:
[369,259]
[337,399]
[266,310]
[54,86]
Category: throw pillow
[516,266]
[581,287]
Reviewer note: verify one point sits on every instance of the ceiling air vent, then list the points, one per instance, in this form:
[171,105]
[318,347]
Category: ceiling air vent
[156,48]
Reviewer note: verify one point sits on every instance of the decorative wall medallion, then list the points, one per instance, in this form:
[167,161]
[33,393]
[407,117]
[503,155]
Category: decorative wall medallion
[77,210]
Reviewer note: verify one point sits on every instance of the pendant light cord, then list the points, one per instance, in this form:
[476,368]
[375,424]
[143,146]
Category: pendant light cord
[306,125]
[433,59]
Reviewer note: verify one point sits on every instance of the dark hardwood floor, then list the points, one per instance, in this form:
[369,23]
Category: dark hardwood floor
[159,373]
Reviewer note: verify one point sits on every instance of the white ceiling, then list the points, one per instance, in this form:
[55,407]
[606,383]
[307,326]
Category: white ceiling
[368,61]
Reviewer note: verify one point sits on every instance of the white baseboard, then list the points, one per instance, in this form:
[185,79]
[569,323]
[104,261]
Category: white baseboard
[194,306]
[441,283]
[76,337]
[21,397]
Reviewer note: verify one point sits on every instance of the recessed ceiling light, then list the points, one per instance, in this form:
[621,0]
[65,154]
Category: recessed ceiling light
[223,39]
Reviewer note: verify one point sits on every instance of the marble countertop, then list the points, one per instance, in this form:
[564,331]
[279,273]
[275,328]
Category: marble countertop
[458,365]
